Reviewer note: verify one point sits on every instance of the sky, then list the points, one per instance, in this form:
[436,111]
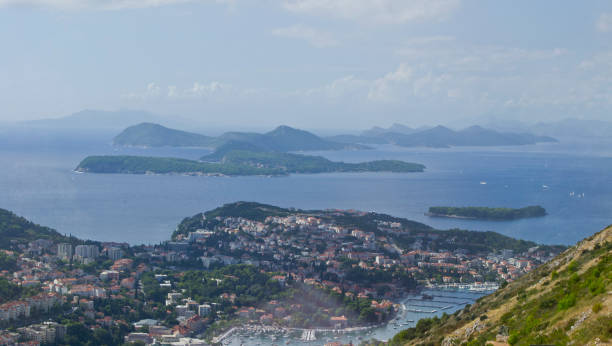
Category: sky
[309,63]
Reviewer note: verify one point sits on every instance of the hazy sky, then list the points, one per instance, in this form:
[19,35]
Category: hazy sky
[310,63]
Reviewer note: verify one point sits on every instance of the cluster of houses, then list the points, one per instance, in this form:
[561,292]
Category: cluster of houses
[314,250]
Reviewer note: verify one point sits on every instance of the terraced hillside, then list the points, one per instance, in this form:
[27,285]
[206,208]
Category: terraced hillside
[567,301]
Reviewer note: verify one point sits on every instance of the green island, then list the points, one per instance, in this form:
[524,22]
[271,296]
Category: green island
[485,213]
[239,162]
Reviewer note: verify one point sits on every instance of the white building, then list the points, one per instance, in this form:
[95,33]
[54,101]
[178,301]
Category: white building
[86,251]
[64,251]
[114,253]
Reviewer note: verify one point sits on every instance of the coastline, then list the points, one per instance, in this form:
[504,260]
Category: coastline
[451,216]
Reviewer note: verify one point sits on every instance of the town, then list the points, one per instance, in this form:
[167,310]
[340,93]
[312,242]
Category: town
[244,264]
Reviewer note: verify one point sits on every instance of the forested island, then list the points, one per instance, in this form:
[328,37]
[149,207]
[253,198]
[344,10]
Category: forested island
[239,162]
[485,213]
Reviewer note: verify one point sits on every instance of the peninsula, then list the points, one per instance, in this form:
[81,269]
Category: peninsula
[484,213]
[242,265]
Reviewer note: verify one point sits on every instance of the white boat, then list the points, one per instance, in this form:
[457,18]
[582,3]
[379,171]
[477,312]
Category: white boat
[483,183]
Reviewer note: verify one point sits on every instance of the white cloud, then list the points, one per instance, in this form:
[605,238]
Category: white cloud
[197,91]
[313,36]
[382,89]
[337,89]
[152,91]
[103,5]
[377,11]
[604,22]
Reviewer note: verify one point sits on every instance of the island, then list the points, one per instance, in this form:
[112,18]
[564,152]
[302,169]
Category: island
[485,213]
[155,135]
[237,163]
[442,137]
[281,139]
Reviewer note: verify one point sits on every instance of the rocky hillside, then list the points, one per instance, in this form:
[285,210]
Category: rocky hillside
[567,301]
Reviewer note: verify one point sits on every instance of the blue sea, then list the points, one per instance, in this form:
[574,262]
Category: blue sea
[571,179]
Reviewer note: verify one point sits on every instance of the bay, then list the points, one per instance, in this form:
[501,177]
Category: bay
[37,181]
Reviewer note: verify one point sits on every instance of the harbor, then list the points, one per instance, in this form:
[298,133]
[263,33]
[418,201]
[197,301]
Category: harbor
[412,308]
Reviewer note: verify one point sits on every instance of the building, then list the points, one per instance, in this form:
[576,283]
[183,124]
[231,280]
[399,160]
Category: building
[86,253]
[14,310]
[64,251]
[45,333]
[203,309]
[114,253]
[143,337]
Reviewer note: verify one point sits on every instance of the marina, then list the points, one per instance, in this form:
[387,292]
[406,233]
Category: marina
[412,308]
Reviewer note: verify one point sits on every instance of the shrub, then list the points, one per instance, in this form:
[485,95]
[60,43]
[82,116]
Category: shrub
[567,302]
[506,317]
[597,307]
[483,317]
[513,338]
[548,303]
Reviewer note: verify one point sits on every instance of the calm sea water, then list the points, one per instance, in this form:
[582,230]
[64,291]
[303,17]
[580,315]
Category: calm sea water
[37,182]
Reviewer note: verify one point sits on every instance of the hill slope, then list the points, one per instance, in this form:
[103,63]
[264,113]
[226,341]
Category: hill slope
[566,301]
[154,135]
[16,229]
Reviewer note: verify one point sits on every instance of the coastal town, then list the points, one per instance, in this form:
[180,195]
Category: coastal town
[244,265]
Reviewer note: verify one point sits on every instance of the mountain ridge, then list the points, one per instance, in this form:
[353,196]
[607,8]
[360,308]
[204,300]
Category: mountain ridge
[281,139]
[444,137]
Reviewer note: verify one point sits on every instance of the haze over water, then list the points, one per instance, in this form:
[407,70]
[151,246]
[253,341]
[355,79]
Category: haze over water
[37,182]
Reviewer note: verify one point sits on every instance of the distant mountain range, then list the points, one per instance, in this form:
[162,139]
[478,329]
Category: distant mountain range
[281,139]
[442,137]
[102,120]
[96,120]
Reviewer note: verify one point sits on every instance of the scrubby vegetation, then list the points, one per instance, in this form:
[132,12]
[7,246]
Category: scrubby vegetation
[561,302]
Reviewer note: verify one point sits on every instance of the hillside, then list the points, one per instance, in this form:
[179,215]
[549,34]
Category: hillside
[473,241]
[565,301]
[154,135]
[16,229]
